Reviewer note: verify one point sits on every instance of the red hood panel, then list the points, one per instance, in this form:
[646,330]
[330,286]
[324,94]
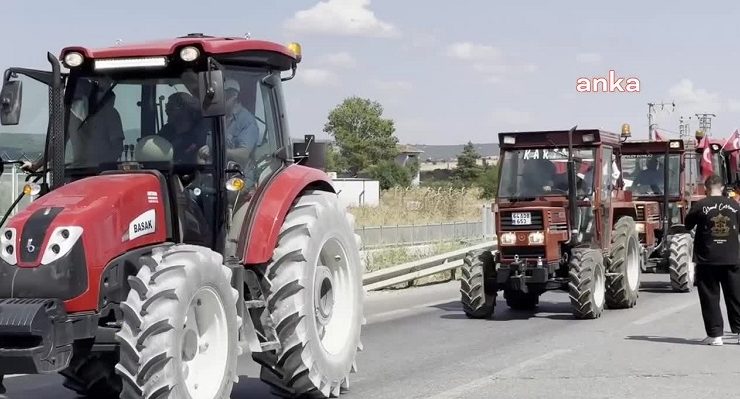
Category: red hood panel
[105,207]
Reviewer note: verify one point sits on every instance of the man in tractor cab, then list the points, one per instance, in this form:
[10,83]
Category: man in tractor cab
[185,128]
[651,177]
[94,129]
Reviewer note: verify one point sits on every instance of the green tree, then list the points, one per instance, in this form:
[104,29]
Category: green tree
[390,174]
[488,182]
[467,167]
[362,135]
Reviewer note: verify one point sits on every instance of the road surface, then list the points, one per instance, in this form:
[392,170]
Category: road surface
[419,344]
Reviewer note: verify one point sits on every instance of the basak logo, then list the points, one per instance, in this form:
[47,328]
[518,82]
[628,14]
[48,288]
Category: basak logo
[610,84]
[144,224]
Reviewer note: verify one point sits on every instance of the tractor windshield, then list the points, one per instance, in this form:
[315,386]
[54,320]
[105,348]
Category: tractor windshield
[529,173]
[643,174]
[107,115]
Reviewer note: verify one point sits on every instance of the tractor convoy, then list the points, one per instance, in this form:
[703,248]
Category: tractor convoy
[587,212]
[159,251]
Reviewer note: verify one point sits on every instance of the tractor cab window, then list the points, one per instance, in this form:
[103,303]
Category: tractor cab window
[529,173]
[643,174]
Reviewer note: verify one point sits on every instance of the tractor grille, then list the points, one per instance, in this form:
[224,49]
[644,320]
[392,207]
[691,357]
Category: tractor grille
[507,224]
[523,252]
[640,213]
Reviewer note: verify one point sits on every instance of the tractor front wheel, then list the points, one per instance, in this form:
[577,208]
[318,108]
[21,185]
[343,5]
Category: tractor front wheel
[587,283]
[315,297]
[681,263]
[624,270]
[179,337]
[477,301]
[93,375]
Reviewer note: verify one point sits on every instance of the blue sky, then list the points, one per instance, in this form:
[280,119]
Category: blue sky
[446,72]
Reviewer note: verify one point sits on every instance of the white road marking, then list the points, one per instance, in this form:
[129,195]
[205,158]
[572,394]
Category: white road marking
[414,310]
[664,313]
[463,391]
[14,375]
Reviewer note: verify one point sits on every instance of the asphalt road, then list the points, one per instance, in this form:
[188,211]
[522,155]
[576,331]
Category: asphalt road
[419,344]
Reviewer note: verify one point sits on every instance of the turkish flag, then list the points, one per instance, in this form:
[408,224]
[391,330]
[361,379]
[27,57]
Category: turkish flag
[658,136]
[706,159]
[733,142]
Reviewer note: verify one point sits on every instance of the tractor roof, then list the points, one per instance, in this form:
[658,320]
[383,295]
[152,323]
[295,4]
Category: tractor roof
[557,138]
[207,44]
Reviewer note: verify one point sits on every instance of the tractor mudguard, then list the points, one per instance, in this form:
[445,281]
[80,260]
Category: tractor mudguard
[257,240]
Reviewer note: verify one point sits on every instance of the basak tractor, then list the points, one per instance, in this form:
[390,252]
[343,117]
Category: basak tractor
[562,224]
[655,171]
[162,247]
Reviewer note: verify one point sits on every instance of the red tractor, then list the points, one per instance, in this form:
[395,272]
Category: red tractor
[175,228]
[562,224]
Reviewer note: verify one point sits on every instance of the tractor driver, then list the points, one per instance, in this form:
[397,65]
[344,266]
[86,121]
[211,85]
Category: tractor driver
[650,177]
[538,177]
[241,131]
[185,128]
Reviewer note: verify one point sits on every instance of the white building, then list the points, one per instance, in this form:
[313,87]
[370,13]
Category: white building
[357,192]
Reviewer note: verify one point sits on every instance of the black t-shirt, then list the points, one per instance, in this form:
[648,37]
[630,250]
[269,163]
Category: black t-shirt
[716,219]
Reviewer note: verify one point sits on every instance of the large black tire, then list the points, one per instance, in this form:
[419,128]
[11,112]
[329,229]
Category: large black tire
[680,262]
[624,269]
[315,298]
[165,351]
[93,376]
[477,302]
[518,300]
[586,287]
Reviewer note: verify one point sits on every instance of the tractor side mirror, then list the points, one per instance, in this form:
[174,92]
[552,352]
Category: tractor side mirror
[211,90]
[10,102]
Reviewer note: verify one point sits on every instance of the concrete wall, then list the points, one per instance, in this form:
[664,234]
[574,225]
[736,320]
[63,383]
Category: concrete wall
[358,192]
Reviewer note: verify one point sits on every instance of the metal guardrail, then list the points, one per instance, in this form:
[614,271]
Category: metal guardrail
[410,271]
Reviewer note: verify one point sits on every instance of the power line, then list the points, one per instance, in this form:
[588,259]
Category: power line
[651,110]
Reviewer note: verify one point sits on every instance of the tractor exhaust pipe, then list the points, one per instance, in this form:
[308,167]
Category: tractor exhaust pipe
[572,205]
[666,208]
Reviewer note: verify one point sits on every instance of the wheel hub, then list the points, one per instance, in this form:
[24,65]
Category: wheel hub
[632,264]
[599,289]
[324,295]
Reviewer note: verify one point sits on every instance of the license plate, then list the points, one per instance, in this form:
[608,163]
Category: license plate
[521,218]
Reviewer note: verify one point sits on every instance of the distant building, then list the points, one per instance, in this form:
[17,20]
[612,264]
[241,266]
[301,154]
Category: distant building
[408,154]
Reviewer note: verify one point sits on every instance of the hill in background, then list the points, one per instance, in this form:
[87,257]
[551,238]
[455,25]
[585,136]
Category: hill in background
[450,152]
[15,145]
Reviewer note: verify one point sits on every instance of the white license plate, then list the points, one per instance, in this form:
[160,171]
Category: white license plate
[521,218]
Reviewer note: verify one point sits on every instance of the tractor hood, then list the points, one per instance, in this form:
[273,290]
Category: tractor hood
[70,234]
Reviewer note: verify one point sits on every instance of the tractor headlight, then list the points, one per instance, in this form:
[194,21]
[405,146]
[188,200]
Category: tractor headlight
[508,238]
[640,227]
[73,59]
[8,252]
[189,53]
[60,243]
[536,238]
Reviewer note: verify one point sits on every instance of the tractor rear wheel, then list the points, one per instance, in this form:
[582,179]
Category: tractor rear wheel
[315,297]
[93,376]
[179,337]
[624,269]
[681,263]
[587,283]
[477,301]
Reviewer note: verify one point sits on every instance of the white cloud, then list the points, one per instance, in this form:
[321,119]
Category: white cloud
[589,58]
[317,77]
[488,61]
[340,60]
[509,116]
[341,18]
[468,51]
[733,105]
[694,100]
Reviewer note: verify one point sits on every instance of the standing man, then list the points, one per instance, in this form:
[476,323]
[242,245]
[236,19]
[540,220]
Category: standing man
[716,247]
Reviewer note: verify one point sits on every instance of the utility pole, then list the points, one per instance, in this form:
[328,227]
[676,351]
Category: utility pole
[683,128]
[705,122]
[651,110]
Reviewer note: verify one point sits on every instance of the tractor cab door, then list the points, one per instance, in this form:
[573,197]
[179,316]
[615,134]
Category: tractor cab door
[607,184]
[24,113]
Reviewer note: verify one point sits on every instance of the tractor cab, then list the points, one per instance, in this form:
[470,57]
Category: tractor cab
[203,117]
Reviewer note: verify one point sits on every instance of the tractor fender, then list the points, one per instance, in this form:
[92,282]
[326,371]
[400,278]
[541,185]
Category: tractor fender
[257,240]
